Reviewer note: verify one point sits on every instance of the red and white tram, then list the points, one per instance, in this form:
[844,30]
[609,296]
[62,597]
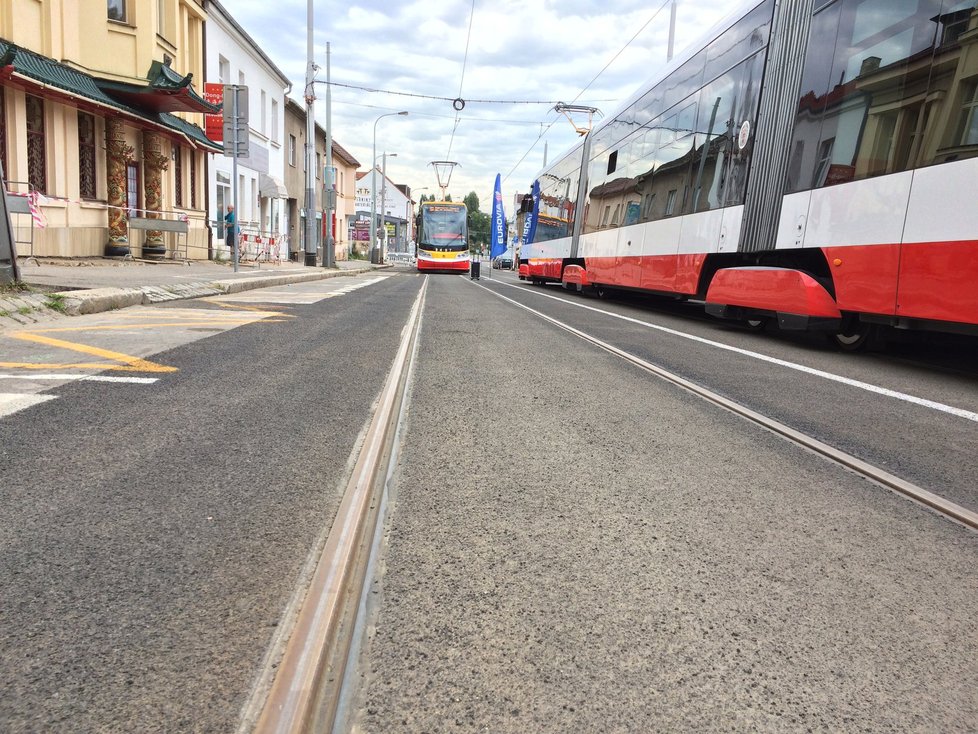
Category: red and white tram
[813,162]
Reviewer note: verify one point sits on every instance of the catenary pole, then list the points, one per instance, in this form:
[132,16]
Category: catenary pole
[329,203]
[310,96]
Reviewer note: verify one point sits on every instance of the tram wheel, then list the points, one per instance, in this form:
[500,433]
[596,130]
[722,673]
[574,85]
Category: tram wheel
[603,293]
[856,337]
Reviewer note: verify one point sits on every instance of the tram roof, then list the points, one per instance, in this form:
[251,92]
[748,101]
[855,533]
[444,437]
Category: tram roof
[685,55]
[721,26]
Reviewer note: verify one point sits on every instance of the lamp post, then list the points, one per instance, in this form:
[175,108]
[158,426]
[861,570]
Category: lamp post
[373,192]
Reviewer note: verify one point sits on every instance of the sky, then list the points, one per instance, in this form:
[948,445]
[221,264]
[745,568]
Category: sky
[510,60]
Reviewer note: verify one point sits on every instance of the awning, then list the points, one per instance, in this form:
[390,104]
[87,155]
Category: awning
[270,187]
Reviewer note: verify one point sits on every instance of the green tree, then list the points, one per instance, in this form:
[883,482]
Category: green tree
[471,201]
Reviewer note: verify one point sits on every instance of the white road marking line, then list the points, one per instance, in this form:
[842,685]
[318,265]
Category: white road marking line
[12,402]
[868,387]
[86,378]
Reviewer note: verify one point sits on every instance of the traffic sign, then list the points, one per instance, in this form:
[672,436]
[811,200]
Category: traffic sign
[235,127]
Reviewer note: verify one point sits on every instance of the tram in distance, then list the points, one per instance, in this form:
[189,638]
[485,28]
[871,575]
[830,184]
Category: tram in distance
[443,241]
[809,163]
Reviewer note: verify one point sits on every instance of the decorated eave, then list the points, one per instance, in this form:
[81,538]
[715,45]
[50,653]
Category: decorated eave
[48,78]
[166,91]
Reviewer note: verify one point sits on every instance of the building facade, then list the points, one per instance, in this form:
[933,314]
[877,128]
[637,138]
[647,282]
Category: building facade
[100,124]
[394,212]
[233,58]
[344,182]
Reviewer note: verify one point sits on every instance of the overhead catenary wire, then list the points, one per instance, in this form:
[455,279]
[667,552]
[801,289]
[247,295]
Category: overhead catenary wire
[374,90]
[588,85]
[456,103]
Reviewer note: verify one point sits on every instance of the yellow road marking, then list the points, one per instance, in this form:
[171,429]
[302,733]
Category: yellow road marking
[134,364]
[126,362]
[255,309]
[86,366]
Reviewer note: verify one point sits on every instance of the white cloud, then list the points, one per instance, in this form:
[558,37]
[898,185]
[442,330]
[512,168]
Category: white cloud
[537,50]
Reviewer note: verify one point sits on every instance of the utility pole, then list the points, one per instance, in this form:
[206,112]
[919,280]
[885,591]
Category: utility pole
[383,209]
[310,146]
[329,200]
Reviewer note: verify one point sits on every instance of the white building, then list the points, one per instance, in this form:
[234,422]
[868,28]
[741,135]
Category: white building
[234,58]
[393,207]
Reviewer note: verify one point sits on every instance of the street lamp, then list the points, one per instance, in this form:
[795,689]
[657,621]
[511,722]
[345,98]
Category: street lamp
[383,202]
[373,192]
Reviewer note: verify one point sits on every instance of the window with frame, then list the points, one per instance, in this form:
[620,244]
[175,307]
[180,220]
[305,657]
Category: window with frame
[162,18]
[36,145]
[87,164]
[292,150]
[178,175]
[116,10]
[671,202]
[969,114]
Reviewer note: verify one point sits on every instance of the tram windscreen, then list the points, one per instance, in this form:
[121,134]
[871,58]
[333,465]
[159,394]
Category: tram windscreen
[444,227]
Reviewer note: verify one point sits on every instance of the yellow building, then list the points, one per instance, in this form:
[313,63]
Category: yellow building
[100,122]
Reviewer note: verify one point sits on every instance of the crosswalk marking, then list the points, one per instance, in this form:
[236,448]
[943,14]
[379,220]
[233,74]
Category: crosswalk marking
[86,378]
[12,402]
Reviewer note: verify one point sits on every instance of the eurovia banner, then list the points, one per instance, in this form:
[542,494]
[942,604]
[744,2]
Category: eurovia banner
[498,222]
[530,222]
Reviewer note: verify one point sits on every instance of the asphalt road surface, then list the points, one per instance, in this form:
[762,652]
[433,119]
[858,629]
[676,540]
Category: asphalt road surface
[572,544]
[575,545]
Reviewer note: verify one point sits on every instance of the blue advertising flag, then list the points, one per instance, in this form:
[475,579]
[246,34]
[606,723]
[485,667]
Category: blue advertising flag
[498,222]
[530,222]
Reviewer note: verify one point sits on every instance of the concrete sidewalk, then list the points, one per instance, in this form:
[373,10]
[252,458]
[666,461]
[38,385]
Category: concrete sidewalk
[58,288]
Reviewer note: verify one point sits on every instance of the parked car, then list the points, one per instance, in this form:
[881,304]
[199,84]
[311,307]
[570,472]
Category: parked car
[504,261]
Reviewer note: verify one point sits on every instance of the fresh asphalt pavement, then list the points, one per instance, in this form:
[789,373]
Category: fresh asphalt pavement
[152,536]
[574,545]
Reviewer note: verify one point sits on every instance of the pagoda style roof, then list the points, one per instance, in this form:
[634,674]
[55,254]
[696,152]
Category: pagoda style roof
[46,77]
[165,91]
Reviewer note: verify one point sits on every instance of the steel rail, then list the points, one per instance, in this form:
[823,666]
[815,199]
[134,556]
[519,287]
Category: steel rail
[304,694]
[949,509]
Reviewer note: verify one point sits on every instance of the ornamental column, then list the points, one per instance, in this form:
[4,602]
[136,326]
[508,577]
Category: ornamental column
[155,163]
[118,155]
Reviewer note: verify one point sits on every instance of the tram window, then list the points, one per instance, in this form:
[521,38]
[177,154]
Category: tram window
[871,100]
[745,37]
[648,206]
[671,203]
[612,162]
[714,132]
[683,82]
[969,114]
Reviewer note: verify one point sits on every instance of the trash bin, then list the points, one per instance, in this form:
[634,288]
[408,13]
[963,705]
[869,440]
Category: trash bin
[474,268]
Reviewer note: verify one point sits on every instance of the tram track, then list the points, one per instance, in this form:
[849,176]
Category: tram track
[305,693]
[909,490]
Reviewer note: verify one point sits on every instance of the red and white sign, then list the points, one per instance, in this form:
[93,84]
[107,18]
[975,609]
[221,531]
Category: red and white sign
[214,124]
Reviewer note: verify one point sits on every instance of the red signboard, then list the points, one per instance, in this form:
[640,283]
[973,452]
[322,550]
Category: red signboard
[214,124]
